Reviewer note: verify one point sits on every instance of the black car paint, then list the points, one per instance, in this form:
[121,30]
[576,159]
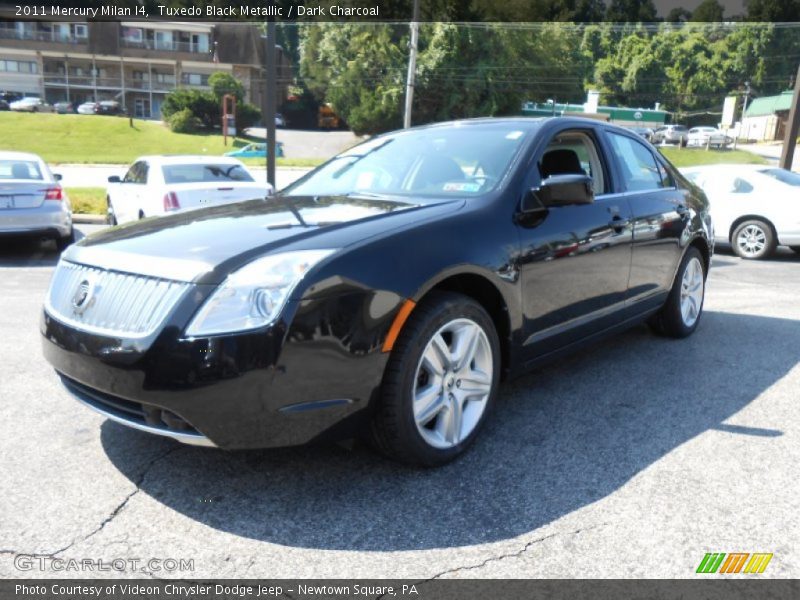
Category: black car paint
[550,280]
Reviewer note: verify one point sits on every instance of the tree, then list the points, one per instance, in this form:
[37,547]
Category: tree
[222,83]
[773,10]
[709,11]
[678,15]
[631,11]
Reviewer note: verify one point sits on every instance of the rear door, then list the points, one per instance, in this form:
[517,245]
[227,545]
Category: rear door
[660,217]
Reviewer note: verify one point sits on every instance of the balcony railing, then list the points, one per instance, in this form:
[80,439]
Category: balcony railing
[166,46]
[39,36]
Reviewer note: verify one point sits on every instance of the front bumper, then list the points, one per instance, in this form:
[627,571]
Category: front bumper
[287,385]
[50,219]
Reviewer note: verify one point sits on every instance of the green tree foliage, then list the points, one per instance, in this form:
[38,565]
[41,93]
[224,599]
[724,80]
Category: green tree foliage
[184,121]
[206,106]
[773,10]
[708,11]
[630,11]
[222,83]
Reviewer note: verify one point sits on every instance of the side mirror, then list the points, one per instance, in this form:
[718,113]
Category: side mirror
[114,179]
[560,190]
[57,176]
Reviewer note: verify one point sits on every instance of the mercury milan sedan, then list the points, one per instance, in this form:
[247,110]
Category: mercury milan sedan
[387,293]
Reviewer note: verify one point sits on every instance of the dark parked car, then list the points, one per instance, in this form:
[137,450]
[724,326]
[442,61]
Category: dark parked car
[384,294]
[108,107]
[64,108]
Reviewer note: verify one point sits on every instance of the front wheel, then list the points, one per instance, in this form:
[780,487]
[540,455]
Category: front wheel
[753,240]
[679,316]
[440,382]
[111,217]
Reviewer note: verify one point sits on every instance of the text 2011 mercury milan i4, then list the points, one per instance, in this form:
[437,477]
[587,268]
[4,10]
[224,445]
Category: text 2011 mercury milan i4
[385,293]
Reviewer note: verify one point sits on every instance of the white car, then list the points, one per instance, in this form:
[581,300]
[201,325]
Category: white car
[157,185]
[754,207]
[31,105]
[707,136]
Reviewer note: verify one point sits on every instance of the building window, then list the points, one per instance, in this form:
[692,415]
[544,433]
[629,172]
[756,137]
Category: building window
[18,66]
[194,79]
[80,31]
[132,34]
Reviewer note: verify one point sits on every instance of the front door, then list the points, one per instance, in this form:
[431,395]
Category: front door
[575,260]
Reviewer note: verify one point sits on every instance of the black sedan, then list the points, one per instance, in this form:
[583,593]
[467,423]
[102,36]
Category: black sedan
[385,294]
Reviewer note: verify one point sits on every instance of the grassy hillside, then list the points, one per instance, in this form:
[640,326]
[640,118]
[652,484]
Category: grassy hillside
[692,157]
[97,139]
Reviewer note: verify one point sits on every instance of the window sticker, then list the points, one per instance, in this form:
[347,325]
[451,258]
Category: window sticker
[461,186]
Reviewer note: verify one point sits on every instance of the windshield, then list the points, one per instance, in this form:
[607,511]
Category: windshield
[199,173]
[783,176]
[457,160]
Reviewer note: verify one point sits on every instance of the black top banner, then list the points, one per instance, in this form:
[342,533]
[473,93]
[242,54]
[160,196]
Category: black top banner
[577,11]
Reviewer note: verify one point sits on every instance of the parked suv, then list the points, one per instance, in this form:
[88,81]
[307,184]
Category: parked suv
[671,134]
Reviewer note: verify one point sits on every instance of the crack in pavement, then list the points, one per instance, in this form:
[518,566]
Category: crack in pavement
[516,554]
[138,483]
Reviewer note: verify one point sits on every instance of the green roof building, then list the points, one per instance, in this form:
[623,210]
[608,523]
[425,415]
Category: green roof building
[765,118]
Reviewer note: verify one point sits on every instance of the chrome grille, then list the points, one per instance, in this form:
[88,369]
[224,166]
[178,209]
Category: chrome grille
[109,302]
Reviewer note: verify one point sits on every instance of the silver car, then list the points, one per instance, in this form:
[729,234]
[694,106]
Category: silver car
[32,201]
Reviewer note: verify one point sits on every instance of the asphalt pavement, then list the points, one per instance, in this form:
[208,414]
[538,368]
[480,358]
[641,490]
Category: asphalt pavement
[632,458]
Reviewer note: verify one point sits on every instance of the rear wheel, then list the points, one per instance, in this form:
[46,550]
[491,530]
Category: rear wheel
[440,382]
[753,240]
[679,316]
[111,217]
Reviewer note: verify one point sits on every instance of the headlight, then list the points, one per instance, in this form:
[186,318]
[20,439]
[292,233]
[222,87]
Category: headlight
[254,295]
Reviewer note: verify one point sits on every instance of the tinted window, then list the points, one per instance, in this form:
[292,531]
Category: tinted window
[137,173]
[198,173]
[456,160]
[20,169]
[783,175]
[640,170]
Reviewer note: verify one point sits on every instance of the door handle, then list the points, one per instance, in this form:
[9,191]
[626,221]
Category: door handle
[619,222]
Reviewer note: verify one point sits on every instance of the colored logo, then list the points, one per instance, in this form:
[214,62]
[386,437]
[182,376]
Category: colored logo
[735,562]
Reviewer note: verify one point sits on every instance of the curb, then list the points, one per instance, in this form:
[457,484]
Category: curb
[89,219]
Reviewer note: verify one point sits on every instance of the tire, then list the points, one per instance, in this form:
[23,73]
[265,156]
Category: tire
[681,313]
[753,240]
[795,249]
[63,242]
[111,217]
[401,428]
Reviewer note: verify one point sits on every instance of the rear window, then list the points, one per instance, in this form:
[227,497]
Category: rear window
[20,169]
[199,173]
[783,175]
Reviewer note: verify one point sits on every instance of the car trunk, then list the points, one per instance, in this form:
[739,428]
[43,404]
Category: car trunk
[22,194]
[195,195]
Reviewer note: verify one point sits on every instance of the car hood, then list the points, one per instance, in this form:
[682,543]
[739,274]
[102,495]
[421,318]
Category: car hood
[204,245]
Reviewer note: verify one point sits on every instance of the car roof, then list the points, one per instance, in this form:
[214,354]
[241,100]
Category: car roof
[182,159]
[8,155]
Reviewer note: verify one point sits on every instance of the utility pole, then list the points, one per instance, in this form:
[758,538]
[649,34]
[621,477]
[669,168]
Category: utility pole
[412,65]
[744,107]
[272,86]
[792,128]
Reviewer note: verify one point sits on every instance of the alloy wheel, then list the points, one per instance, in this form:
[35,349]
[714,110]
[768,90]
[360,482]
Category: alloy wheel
[692,290]
[452,383]
[751,240]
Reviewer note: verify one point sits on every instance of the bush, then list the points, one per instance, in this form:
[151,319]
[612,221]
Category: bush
[184,121]
[203,105]
[247,115]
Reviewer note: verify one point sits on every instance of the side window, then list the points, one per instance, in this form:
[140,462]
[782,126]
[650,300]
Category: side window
[143,171]
[640,170]
[740,186]
[573,152]
[130,176]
